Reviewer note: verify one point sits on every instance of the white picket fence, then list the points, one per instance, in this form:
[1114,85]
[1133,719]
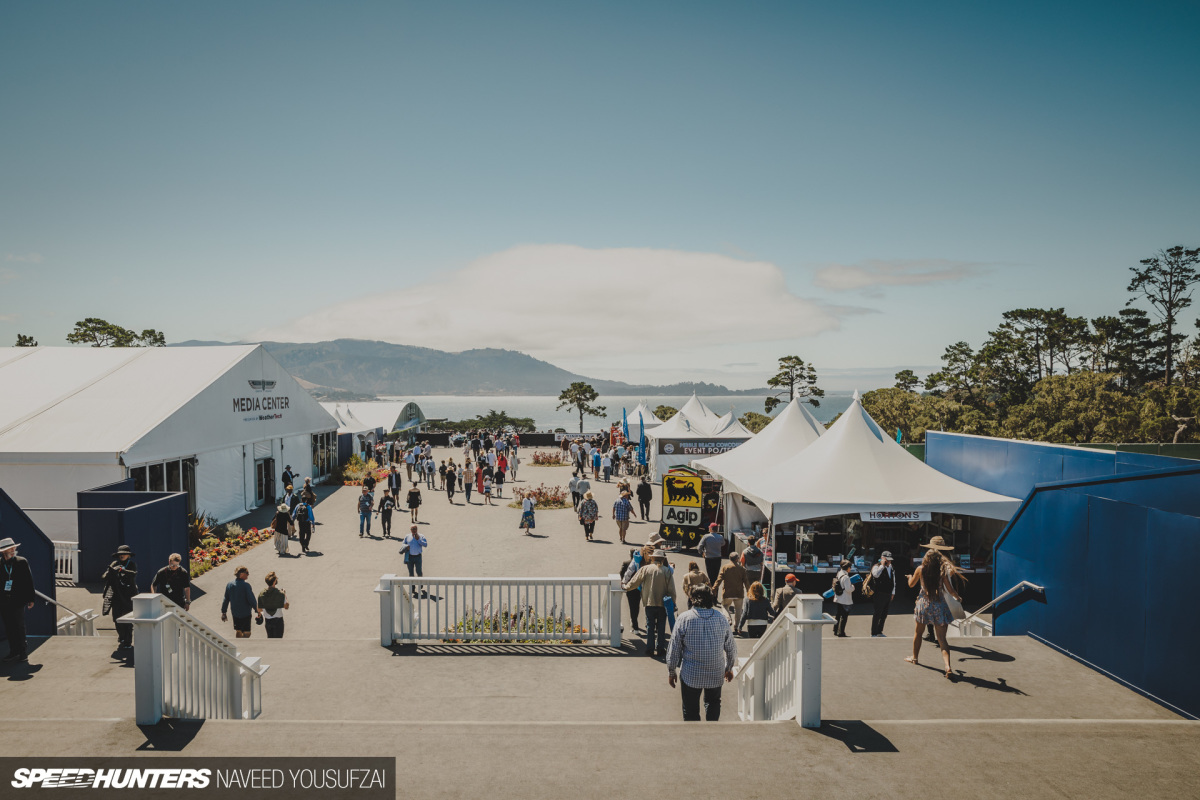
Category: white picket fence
[186,670]
[82,623]
[781,678]
[513,610]
[66,561]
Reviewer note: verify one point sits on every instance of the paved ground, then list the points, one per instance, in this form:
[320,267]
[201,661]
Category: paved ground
[1021,720]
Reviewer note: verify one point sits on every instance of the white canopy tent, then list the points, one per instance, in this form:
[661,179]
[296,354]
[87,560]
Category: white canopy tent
[856,467]
[680,439]
[648,419]
[388,415]
[220,423]
[793,429]
[700,415]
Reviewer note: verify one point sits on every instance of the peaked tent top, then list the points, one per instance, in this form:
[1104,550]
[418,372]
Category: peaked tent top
[679,426]
[728,427]
[700,414]
[792,430]
[855,466]
[648,417]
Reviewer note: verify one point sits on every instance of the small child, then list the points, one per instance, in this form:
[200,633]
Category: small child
[487,491]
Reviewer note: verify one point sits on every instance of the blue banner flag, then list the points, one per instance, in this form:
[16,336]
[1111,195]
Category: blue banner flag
[641,440]
[625,424]
[899,436]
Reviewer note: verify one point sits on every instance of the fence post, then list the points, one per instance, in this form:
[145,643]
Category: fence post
[147,616]
[614,610]
[387,610]
[808,660]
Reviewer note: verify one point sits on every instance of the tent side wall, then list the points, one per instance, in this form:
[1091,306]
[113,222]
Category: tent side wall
[55,486]
[221,484]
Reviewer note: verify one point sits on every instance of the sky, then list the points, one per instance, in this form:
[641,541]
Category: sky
[648,191]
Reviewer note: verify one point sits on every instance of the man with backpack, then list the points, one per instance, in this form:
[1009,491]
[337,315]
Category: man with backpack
[752,560]
[302,515]
[843,598]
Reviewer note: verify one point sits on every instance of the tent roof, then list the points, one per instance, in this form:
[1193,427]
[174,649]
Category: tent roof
[679,427]
[727,427]
[701,416]
[104,400]
[346,419]
[856,467]
[391,415]
[792,430]
[648,417]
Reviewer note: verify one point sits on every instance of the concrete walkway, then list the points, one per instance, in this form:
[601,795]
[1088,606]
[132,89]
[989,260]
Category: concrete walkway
[554,721]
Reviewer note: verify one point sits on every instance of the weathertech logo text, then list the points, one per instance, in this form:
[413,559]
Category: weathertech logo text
[111,778]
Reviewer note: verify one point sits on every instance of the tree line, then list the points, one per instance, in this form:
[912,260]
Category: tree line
[1042,373]
[99,333]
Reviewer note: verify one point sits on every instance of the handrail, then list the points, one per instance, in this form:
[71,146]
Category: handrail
[1020,587]
[207,634]
[60,605]
[772,631]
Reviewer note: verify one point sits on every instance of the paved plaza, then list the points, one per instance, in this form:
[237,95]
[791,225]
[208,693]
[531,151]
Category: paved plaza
[554,720]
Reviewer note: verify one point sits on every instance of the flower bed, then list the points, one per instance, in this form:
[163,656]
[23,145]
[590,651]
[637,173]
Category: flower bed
[380,476]
[212,552]
[553,458]
[518,620]
[543,496]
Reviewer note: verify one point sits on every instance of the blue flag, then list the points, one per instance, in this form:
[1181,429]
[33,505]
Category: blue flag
[641,440]
[899,436]
[624,424]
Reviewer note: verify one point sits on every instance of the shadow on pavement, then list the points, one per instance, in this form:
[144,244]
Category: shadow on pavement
[998,685]
[858,736]
[170,735]
[977,653]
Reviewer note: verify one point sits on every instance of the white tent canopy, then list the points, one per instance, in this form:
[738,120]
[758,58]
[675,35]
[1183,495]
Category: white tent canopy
[73,418]
[730,428]
[700,415]
[677,439]
[648,418]
[390,415]
[856,467]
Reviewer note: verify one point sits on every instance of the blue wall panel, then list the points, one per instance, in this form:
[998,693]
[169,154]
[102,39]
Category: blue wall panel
[1173,541]
[36,548]
[153,524]
[1115,576]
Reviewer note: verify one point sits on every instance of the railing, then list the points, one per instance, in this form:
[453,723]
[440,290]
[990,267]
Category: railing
[186,670]
[81,624]
[511,610]
[781,678]
[974,625]
[66,561]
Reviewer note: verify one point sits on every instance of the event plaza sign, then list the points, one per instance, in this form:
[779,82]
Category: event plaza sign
[691,447]
[896,516]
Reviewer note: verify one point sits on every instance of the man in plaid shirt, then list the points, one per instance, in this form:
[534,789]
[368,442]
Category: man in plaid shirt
[621,511]
[702,642]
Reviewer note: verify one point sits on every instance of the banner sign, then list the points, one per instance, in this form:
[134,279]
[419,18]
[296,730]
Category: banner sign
[896,516]
[558,437]
[693,447]
[689,505]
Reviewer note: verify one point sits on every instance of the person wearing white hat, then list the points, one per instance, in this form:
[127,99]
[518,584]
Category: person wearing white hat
[656,582]
[16,596]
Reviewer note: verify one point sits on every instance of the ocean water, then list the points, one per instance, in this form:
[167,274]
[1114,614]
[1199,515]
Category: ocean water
[547,417]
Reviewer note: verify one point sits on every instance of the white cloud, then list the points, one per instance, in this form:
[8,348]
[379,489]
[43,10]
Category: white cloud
[873,273]
[580,307]
[27,258]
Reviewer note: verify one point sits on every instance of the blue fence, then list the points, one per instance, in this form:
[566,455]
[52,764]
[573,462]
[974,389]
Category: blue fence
[38,550]
[153,524]
[1110,535]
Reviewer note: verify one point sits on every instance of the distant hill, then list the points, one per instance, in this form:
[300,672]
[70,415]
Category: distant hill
[347,368]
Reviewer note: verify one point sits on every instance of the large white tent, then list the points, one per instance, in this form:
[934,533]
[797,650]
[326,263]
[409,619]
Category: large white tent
[700,415]
[793,429]
[219,423]
[856,467]
[648,419]
[681,438]
[386,415]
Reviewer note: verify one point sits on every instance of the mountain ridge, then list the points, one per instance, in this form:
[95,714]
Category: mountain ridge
[347,369]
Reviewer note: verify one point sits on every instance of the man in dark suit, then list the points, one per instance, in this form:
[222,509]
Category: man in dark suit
[16,597]
[883,582]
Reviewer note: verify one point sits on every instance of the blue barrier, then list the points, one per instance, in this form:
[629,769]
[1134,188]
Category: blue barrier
[38,550]
[153,524]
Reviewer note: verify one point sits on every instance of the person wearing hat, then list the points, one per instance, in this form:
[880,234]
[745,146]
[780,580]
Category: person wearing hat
[290,499]
[656,582]
[120,586]
[883,584]
[934,576]
[16,597]
[282,524]
[622,509]
[289,477]
[784,595]
[843,598]
[710,546]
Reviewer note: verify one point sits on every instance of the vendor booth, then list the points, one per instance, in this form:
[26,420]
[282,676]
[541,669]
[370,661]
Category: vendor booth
[793,429]
[354,436]
[694,432]
[219,424]
[854,493]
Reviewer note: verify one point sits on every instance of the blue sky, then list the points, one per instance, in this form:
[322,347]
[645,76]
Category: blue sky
[859,184]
